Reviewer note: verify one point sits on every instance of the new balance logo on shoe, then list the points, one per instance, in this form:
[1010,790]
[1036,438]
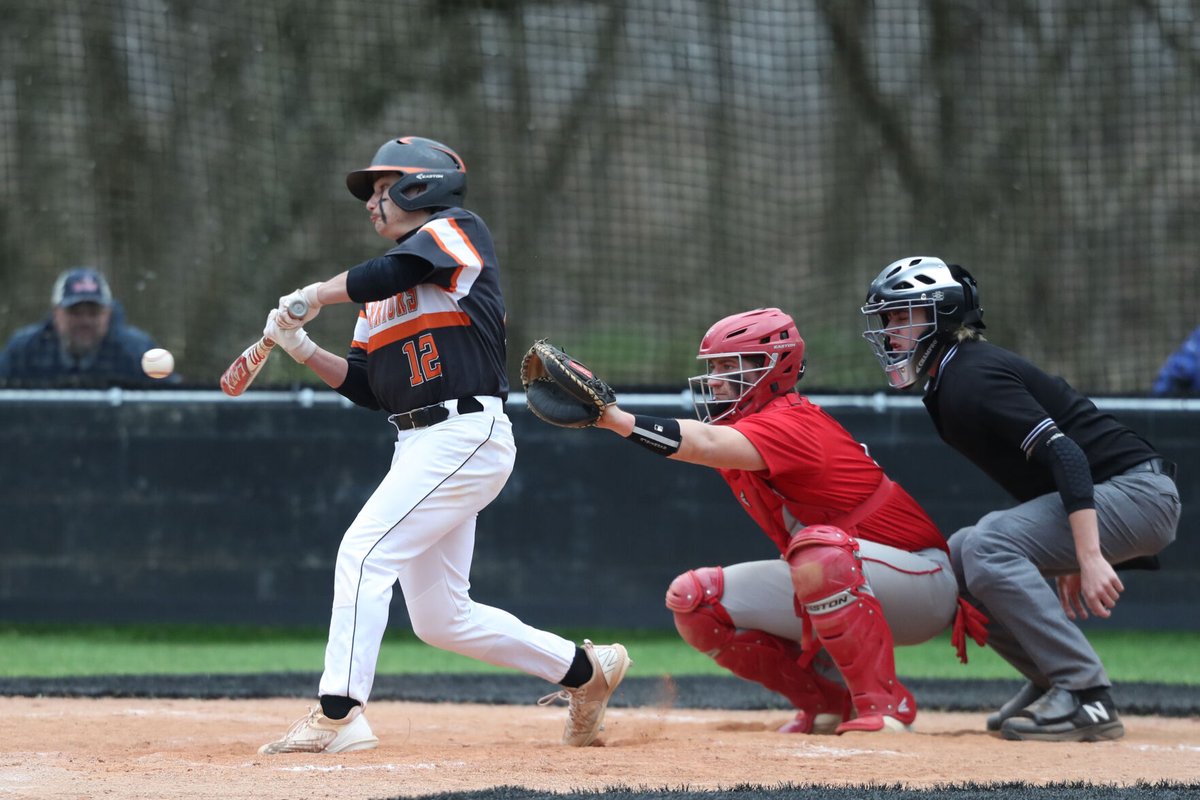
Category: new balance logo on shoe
[1096,712]
[903,707]
[1060,716]
[608,657]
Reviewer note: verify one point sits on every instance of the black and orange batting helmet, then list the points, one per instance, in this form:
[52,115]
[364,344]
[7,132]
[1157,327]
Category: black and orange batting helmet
[432,175]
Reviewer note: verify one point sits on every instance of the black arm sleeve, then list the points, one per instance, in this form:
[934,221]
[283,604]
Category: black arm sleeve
[1069,465]
[386,276]
[357,388]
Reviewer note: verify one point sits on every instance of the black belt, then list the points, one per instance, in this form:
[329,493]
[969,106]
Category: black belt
[1159,465]
[431,415]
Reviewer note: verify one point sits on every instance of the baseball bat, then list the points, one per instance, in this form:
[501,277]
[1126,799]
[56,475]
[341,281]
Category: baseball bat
[245,368]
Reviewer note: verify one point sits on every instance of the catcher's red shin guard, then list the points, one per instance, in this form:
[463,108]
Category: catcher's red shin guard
[695,599]
[848,620]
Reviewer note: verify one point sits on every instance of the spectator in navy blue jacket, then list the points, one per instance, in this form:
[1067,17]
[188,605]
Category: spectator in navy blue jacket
[82,343]
[1180,373]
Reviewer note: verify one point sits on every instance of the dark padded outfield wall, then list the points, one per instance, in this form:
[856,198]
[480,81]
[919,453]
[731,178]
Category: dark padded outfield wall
[189,507]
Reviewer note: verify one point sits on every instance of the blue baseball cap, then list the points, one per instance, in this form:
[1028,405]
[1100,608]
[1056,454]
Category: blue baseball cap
[80,285]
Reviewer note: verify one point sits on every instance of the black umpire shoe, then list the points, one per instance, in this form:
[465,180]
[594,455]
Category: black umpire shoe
[1027,694]
[1061,716]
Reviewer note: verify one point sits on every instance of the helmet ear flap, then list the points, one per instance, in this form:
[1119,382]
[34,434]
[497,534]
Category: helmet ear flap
[973,315]
[402,192]
[777,388]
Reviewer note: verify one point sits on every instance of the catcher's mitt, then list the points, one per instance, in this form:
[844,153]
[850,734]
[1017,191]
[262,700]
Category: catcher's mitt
[560,390]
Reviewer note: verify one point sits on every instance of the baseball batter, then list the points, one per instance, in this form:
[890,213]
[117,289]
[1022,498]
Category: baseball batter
[863,566]
[429,349]
[1091,494]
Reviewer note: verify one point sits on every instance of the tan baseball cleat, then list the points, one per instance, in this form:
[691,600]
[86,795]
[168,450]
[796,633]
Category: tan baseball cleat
[317,733]
[585,716]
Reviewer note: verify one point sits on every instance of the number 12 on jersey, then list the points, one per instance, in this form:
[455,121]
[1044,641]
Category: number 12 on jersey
[423,361]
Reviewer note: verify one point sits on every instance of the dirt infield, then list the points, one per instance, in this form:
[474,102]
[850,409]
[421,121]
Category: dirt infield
[145,748]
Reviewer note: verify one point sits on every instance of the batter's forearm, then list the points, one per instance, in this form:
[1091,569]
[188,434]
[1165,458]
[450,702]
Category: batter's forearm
[329,367]
[333,291]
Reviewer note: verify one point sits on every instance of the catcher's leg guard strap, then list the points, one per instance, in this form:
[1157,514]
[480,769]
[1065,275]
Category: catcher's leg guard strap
[849,622]
[765,659]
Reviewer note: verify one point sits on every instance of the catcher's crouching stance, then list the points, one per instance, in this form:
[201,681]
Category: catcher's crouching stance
[817,625]
[755,655]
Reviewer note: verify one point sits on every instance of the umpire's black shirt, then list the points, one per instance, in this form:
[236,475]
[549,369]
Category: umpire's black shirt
[995,407]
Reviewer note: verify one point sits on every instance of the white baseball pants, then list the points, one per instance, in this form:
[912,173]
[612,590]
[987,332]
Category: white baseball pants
[418,528]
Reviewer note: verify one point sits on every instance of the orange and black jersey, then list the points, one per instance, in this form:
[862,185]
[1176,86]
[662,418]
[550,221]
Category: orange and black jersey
[431,327]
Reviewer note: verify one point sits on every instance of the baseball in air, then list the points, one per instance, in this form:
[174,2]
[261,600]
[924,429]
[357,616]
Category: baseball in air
[158,363]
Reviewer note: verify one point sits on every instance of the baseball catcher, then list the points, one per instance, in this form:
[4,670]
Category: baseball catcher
[862,567]
[562,391]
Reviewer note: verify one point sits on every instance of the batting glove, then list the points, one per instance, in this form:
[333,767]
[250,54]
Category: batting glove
[309,295]
[294,341]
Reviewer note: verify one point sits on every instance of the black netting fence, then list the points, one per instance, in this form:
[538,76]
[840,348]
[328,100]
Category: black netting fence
[646,166]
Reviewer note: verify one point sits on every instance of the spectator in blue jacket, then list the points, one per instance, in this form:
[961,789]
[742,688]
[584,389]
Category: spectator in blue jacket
[82,343]
[1180,373]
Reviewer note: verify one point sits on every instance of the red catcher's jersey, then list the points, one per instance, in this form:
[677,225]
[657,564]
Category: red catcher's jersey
[820,472]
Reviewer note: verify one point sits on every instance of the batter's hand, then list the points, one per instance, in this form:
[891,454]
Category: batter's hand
[294,341]
[309,295]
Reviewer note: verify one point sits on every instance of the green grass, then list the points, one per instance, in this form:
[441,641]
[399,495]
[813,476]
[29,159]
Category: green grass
[77,650]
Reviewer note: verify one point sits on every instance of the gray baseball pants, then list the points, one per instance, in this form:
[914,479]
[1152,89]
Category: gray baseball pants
[1003,561]
[917,591]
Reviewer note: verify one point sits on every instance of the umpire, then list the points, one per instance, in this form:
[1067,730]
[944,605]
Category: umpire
[1092,494]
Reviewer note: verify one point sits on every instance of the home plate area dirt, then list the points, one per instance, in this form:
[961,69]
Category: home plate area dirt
[180,748]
